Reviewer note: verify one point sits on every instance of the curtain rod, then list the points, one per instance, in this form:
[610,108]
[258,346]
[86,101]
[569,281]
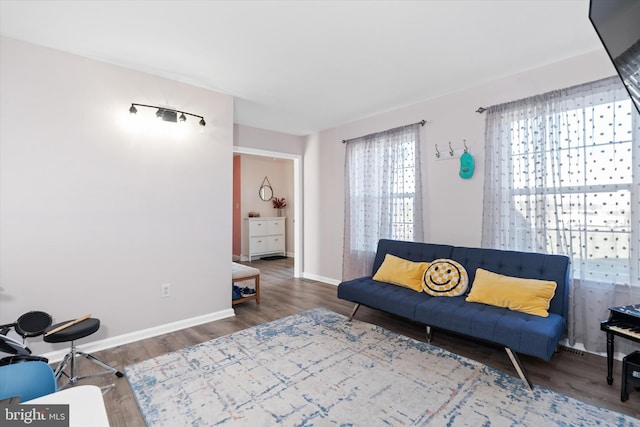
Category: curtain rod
[421,123]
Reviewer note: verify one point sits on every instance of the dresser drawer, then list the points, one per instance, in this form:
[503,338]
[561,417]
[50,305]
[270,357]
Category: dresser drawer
[260,244]
[259,228]
[276,227]
[276,243]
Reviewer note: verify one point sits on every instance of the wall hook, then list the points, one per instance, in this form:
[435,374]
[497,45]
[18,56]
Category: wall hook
[464,141]
[450,149]
[437,152]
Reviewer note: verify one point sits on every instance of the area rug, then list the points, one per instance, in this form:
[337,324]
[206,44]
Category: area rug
[317,369]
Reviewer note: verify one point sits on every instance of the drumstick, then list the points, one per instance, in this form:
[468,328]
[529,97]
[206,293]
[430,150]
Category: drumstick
[66,325]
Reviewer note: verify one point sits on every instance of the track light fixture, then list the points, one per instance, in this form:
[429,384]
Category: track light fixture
[167,114]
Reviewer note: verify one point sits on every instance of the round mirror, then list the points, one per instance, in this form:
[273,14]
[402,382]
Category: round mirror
[266,192]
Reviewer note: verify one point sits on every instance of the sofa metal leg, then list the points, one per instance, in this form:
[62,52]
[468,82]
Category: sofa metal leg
[516,364]
[353,313]
[429,334]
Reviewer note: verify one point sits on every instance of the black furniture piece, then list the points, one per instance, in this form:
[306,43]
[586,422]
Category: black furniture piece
[18,351]
[31,324]
[630,374]
[71,331]
[624,321]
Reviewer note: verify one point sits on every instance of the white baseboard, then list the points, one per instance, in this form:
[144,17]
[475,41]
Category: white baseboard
[95,346]
[321,279]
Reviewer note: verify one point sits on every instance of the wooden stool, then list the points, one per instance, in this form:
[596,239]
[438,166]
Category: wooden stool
[239,273]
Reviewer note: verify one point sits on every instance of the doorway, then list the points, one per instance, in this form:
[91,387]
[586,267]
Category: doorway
[297,198]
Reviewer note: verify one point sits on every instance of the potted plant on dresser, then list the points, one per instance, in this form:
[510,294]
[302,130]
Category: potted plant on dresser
[279,203]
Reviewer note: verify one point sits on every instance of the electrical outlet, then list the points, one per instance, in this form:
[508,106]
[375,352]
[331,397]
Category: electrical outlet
[165,290]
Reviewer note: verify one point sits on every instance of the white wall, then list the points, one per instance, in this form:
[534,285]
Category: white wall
[95,216]
[452,206]
[267,140]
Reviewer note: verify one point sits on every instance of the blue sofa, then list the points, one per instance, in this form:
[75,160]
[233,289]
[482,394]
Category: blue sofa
[517,332]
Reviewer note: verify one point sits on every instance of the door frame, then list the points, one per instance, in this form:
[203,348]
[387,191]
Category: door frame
[297,194]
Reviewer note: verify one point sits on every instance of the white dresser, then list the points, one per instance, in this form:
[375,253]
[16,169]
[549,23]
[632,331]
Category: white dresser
[265,236]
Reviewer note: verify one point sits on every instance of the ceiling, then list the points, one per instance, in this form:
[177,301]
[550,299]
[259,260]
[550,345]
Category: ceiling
[303,66]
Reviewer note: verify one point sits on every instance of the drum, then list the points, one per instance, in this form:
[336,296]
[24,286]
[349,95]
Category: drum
[10,360]
[12,346]
[32,324]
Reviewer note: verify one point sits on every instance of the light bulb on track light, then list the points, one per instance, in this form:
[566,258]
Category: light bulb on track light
[167,114]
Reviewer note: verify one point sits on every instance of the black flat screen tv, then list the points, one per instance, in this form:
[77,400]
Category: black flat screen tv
[617,23]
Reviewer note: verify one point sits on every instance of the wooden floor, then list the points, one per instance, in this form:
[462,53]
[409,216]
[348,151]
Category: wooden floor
[580,376]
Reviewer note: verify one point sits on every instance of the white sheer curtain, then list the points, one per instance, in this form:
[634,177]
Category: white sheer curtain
[629,65]
[562,176]
[383,195]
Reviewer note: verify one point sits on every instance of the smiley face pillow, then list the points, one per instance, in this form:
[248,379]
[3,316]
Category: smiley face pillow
[445,278]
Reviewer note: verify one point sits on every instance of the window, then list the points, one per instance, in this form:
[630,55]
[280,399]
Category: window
[590,192]
[565,174]
[383,197]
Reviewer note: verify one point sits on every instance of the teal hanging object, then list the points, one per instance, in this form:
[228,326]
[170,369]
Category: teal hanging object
[466,165]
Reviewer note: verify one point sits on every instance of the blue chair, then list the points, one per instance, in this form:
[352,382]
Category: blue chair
[26,380]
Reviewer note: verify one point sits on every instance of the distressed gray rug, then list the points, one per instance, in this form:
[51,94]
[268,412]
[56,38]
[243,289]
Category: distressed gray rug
[317,369]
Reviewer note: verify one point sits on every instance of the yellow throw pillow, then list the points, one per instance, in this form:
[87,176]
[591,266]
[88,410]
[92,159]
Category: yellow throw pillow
[401,272]
[445,278]
[530,296]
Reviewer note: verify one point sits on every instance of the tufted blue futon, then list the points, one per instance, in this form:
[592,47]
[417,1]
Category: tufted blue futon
[517,332]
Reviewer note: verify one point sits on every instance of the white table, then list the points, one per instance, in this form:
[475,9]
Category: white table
[86,405]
